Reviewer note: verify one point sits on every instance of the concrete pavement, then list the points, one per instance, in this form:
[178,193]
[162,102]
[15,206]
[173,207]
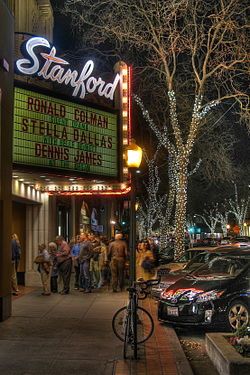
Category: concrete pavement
[72,334]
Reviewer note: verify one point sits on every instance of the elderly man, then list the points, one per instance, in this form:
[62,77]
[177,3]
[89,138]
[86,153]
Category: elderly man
[64,262]
[117,253]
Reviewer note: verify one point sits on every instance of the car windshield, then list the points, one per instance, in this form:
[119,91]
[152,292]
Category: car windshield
[197,261]
[221,267]
[184,258]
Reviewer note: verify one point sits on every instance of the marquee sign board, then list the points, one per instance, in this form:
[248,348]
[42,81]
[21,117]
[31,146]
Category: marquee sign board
[55,133]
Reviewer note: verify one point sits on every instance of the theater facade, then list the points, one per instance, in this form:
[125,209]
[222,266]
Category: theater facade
[72,123]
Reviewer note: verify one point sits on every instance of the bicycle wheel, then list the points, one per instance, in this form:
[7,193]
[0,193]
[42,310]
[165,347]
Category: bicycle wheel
[145,324]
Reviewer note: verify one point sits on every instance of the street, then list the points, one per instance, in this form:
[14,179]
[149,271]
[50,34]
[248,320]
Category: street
[193,344]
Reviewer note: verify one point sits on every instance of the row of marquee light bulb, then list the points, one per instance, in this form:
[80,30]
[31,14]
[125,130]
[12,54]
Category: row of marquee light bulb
[126,109]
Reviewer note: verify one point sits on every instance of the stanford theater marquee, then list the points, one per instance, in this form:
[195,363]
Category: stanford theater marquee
[71,126]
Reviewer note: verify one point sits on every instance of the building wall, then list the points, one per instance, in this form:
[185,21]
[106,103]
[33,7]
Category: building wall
[6,118]
[33,16]
[36,207]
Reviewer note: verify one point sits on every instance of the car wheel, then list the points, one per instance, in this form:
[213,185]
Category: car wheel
[238,315]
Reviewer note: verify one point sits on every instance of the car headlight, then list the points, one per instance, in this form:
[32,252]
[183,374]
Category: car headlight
[167,294]
[209,296]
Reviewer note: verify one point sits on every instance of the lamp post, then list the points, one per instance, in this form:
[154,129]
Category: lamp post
[133,160]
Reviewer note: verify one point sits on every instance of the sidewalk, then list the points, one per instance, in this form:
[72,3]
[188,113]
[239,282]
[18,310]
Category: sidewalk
[72,334]
[161,355]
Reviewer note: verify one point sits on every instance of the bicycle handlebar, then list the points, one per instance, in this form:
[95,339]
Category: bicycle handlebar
[148,283]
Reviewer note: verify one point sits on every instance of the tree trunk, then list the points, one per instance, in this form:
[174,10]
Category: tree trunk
[163,235]
[181,207]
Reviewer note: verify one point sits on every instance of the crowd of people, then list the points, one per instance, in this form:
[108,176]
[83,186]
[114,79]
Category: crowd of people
[93,261]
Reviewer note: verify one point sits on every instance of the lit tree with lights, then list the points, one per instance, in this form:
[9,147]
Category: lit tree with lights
[154,203]
[223,219]
[211,217]
[238,207]
[190,48]
[155,207]
[165,203]
[141,222]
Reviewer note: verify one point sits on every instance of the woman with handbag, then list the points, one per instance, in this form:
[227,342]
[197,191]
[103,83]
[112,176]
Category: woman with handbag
[44,267]
[146,262]
[64,263]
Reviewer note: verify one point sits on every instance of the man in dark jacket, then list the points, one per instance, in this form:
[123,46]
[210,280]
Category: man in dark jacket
[117,253]
[86,252]
[15,257]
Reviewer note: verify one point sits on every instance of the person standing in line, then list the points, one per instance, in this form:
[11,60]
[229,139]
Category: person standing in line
[45,267]
[94,261]
[16,242]
[64,263]
[155,250]
[139,255]
[117,253]
[75,251]
[85,255]
[54,271]
[15,257]
[147,262]
[103,261]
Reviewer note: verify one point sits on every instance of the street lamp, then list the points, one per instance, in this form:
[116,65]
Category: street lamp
[133,160]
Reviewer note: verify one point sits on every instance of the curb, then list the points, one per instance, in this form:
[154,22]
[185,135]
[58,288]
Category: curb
[182,364]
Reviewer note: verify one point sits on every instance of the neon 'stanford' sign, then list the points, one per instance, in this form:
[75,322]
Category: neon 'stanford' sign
[51,67]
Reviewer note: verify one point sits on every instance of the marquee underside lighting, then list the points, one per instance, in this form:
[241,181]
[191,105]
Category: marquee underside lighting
[91,193]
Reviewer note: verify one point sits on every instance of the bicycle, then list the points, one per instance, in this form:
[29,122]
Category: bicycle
[133,324]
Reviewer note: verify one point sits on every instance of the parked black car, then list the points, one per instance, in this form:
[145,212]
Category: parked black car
[218,293]
[209,253]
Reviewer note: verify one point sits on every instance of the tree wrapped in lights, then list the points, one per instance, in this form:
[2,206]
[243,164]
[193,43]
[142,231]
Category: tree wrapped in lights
[152,187]
[141,222]
[238,207]
[190,48]
[152,208]
[211,218]
[223,219]
[166,203]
